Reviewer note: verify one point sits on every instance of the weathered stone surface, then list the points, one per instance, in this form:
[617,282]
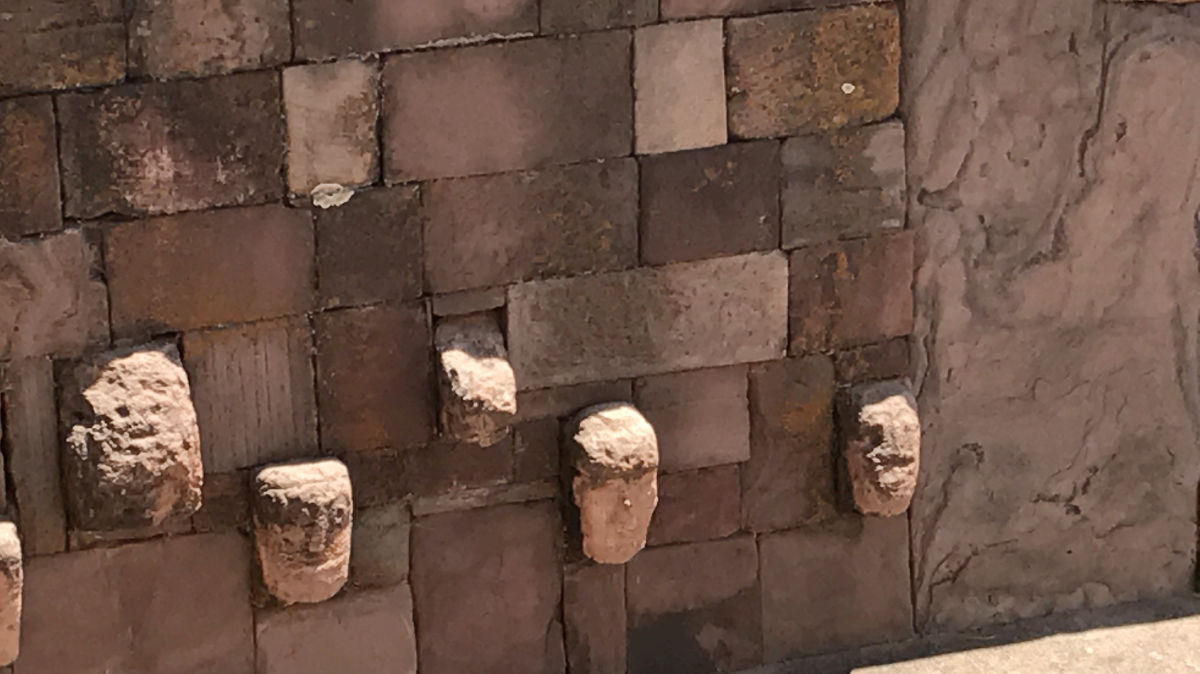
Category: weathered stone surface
[196,270]
[565,16]
[565,401]
[701,417]
[446,467]
[171,606]
[1057,285]
[331,110]
[614,458]
[380,477]
[60,45]
[369,250]
[679,86]
[226,503]
[594,618]
[31,452]
[475,380]
[12,581]
[132,450]
[695,608]
[482,611]
[789,480]
[881,445]
[454,112]
[485,497]
[698,505]
[843,185]
[710,203]
[536,450]
[375,385]
[379,545]
[169,38]
[29,192]
[364,632]
[841,586]
[168,147]
[469,301]
[648,321]
[303,513]
[885,360]
[563,221]
[327,28]
[811,71]
[682,9]
[49,302]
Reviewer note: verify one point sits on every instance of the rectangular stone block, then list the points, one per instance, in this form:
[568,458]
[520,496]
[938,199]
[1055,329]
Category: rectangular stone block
[594,618]
[699,505]
[679,85]
[494,230]
[30,437]
[380,544]
[841,586]
[445,466]
[369,249]
[789,479]
[851,293]
[802,72]
[885,360]
[29,191]
[647,321]
[170,38]
[195,270]
[536,450]
[564,401]
[253,390]
[701,418]
[569,16]
[380,476]
[684,9]
[331,112]
[375,384]
[170,606]
[60,45]
[848,184]
[329,28]
[361,632]
[483,611]
[501,107]
[226,503]
[485,497]
[176,146]
[469,301]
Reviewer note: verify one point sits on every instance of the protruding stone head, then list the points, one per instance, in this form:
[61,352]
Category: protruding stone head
[303,512]
[476,381]
[12,580]
[613,453]
[882,446]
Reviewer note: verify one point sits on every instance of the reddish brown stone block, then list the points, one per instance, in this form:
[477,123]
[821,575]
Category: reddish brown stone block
[885,360]
[380,477]
[801,72]
[225,503]
[369,250]
[566,16]
[60,45]
[29,192]
[327,28]
[701,417]
[375,383]
[698,505]
[331,112]
[564,401]
[199,269]
[535,450]
[494,230]
[455,112]
[710,203]
[851,293]
[487,586]
[169,38]
[594,618]
[447,466]
[31,449]
[168,147]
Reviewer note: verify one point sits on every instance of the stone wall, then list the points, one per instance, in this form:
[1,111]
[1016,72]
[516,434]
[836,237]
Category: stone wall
[305,308]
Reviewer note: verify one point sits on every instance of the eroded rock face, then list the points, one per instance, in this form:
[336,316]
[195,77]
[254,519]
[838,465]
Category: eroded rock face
[881,443]
[12,580]
[303,513]
[476,382]
[132,454]
[614,455]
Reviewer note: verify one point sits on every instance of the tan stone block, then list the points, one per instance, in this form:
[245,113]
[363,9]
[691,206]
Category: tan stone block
[679,86]
[169,38]
[331,113]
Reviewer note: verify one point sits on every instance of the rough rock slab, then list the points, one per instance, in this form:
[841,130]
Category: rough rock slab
[881,446]
[475,380]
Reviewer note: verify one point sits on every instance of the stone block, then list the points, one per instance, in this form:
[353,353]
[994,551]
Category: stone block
[842,586]
[171,38]
[63,45]
[569,16]
[648,321]
[303,513]
[50,303]
[363,632]
[563,221]
[843,185]
[253,387]
[375,385]
[884,360]
[469,301]
[369,250]
[789,480]
[802,72]
[881,446]
[712,202]
[487,586]
[699,505]
[508,106]
[694,608]
[447,467]
[565,401]
[613,454]
[170,606]
[132,452]
[594,618]
[485,497]
[687,9]
[29,190]
[679,85]
[851,293]
[226,503]
[328,28]
[475,380]
[197,270]
[379,546]
[32,454]
[380,477]
[701,417]
[165,147]
[12,582]
[331,111]
[536,450]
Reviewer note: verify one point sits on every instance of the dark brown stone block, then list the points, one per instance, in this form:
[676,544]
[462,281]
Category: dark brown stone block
[536,450]
[701,417]
[446,466]
[698,505]
[565,16]
[369,249]
[60,45]
[169,38]
[594,618]
[565,401]
[29,193]
[225,503]
[380,477]
[679,9]
[885,360]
